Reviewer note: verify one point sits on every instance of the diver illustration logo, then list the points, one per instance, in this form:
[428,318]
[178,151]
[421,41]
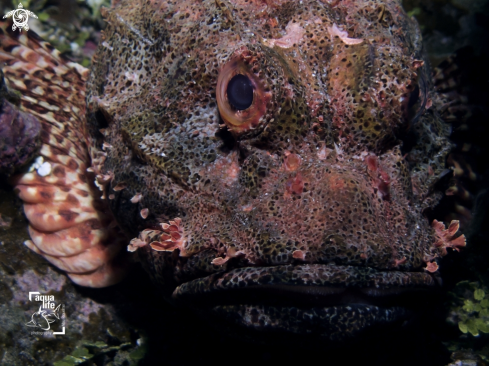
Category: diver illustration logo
[47,314]
[20,17]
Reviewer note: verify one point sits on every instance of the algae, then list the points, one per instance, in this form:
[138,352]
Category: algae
[470,308]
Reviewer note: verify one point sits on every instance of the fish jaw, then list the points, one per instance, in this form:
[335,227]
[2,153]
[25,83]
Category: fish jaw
[327,301]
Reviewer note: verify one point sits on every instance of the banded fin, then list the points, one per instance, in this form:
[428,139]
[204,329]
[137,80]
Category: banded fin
[69,224]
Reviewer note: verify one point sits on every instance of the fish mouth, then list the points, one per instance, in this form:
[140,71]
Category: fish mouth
[330,301]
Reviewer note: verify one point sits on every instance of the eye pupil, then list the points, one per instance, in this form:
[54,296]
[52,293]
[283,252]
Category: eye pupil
[240,92]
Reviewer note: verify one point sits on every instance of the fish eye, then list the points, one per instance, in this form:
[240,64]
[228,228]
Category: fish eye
[240,92]
[242,95]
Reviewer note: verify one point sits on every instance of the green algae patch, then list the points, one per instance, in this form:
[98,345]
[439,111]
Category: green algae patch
[78,356]
[470,308]
[89,352]
[139,353]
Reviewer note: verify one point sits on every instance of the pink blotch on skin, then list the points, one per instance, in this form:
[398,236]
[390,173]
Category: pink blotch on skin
[292,162]
[293,36]
[232,171]
[343,35]
[324,152]
[295,184]
[372,163]
[385,177]
[299,254]
[381,178]
[226,168]
[273,22]
[384,190]
[337,183]
[398,262]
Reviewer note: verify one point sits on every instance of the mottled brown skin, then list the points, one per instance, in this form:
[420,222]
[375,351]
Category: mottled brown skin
[302,213]
[331,182]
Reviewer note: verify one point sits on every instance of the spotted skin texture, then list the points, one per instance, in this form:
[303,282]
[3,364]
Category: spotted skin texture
[316,193]
[332,166]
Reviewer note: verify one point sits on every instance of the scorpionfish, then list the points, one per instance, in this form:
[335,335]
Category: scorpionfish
[269,163]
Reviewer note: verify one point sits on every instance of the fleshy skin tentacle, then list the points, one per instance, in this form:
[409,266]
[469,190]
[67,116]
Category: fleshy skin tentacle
[69,224]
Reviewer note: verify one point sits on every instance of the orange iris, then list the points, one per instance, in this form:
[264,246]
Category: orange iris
[249,121]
